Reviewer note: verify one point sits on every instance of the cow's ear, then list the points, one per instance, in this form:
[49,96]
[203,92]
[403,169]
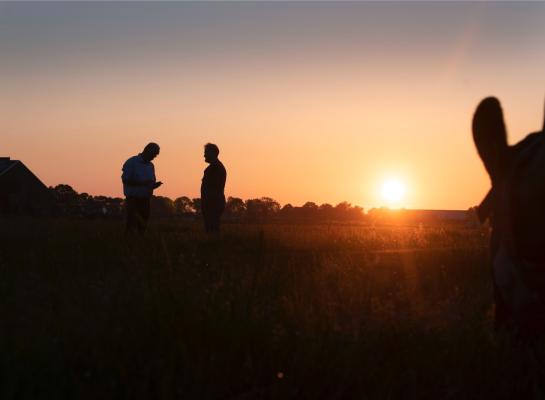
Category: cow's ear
[490,136]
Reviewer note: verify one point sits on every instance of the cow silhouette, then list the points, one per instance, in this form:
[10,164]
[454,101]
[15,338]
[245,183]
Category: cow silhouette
[515,206]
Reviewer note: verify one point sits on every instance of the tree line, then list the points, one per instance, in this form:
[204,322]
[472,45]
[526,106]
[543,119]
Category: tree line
[72,203]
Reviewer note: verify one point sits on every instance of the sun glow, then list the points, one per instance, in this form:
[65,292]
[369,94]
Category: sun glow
[393,192]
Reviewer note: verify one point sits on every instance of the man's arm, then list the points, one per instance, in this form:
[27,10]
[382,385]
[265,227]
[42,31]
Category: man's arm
[155,184]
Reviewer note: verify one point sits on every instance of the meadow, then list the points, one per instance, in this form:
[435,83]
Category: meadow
[273,311]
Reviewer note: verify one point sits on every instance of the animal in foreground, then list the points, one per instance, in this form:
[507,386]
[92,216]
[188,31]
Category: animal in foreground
[515,206]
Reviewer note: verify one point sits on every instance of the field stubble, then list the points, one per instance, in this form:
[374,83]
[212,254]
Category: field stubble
[273,311]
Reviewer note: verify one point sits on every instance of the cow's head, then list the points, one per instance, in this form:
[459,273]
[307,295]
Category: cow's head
[517,198]
[516,206]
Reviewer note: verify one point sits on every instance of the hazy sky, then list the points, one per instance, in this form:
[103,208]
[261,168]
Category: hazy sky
[307,101]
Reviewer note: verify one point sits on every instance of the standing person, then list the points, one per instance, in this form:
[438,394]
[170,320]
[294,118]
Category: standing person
[138,184]
[212,187]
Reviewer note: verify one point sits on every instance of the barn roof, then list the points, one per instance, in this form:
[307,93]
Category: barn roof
[6,164]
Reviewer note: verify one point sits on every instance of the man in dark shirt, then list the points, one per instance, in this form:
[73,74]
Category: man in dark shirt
[213,184]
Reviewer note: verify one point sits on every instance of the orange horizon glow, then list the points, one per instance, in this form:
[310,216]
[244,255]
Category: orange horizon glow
[307,102]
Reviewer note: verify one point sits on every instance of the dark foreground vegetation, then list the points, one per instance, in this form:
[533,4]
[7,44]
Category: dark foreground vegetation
[273,312]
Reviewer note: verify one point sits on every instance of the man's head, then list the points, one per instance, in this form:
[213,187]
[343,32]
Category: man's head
[150,151]
[211,152]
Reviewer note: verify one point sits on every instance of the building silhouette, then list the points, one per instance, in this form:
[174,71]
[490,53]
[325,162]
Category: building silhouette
[21,192]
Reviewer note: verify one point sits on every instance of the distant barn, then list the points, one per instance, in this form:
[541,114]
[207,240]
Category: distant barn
[437,216]
[424,217]
[21,192]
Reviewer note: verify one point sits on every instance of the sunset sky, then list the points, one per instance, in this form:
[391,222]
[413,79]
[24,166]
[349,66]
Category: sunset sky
[318,102]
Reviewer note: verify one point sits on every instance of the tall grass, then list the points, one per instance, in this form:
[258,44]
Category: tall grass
[274,311]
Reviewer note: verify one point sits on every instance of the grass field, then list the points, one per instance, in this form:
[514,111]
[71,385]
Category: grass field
[274,311]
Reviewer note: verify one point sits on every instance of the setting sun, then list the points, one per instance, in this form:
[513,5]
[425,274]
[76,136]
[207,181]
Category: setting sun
[393,191]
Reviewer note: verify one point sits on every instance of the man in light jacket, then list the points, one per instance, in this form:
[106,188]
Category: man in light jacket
[139,182]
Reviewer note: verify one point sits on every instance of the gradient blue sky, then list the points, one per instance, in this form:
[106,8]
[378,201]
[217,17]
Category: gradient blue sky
[307,101]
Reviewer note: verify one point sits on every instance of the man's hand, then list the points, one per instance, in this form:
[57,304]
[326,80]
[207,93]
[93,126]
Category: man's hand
[157,184]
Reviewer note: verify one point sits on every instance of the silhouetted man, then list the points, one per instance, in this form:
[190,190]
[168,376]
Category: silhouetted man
[138,184]
[213,184]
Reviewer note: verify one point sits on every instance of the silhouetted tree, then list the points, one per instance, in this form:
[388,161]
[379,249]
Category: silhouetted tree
[253,209]
[286,212]
[260,209]
[343,206]
[309,211]
[326,212]
[357,212]
[196,205]
[64,193]
[162,206]
[271,206]
[67,199]
[309,205]
[183,206]
[235,207]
